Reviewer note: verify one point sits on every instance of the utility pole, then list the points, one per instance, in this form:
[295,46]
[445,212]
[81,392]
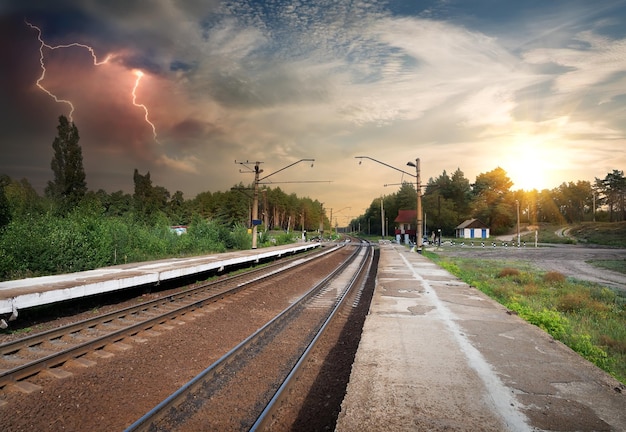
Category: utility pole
[255,204]
[382,216]
[519,242]
[418,228]
[266,218]
[419,234]
[331,224]
[255,200]
[321,228]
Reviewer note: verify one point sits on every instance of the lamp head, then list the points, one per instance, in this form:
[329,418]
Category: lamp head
[411,164]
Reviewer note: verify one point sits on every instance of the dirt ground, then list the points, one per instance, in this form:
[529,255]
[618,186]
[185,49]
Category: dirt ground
[569,260]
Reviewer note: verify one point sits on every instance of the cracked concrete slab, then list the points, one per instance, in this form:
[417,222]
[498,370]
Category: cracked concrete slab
[437,354]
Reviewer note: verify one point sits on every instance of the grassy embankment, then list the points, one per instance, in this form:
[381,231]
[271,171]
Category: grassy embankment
[611,234]
[589,318]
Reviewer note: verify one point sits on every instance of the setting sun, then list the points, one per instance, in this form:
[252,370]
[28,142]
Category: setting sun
[530,163]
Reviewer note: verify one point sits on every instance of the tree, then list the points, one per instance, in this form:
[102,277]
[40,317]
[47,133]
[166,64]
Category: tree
[447,201]
[492,201]
[232,208]
[459,191]
[371,221]
[440,212]
[178,209]
[574,200]
[119,204]
[69,186]
[202,204]
[547,209]
[406,197]
[150,201]
[23,198]
[613,189]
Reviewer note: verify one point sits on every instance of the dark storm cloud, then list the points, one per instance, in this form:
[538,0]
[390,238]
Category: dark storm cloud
[288,79]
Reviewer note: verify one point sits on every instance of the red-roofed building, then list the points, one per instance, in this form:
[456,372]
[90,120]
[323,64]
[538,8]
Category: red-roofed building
[406,226]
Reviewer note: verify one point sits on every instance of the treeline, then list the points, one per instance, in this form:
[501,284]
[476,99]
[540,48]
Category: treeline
[71,228]
[277,209]
[449,200]
[105,229]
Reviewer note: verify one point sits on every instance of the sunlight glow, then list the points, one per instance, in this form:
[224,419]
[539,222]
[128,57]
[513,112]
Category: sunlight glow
[530,163]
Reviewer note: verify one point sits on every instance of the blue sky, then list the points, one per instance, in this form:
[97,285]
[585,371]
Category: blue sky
[534,87]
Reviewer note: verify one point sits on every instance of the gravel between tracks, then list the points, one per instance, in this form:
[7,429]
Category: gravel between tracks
[136,376]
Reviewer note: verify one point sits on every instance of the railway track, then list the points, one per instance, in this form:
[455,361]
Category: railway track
[245,388]
[50,351]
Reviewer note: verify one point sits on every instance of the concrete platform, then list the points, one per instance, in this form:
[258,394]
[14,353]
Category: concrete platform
[26,293]
[438,355]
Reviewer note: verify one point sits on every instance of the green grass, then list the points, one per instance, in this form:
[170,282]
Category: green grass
[611,234]
[589,318]
[613,265]
[24,330]
[600,233]
[547,233]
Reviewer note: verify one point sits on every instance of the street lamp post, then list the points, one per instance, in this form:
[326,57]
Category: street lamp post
[419,202]
[419,194]
[518,232]
[255,200]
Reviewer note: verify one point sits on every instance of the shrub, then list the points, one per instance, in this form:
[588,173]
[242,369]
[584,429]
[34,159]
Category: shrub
[579,300]
[616,345]
[264,237]
[572,301]
[205,236]
[46,244]
[581,343]
[240,239]
[507,271]
[530,289]
[284,238]
[549,320]
[604,295]
[553,277]
[501,292]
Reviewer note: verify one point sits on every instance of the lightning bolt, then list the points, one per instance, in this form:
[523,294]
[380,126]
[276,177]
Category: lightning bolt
[43,45]
[139,75]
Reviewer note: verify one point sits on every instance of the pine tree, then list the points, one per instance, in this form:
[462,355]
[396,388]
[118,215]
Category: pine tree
[69,186]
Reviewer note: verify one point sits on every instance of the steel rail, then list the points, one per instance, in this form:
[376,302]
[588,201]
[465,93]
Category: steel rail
[169,407]
[266,416]
[57,359]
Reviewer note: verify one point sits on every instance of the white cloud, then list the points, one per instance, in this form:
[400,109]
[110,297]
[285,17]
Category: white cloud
[594,60]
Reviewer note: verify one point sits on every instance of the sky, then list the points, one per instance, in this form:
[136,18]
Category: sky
[188,89]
